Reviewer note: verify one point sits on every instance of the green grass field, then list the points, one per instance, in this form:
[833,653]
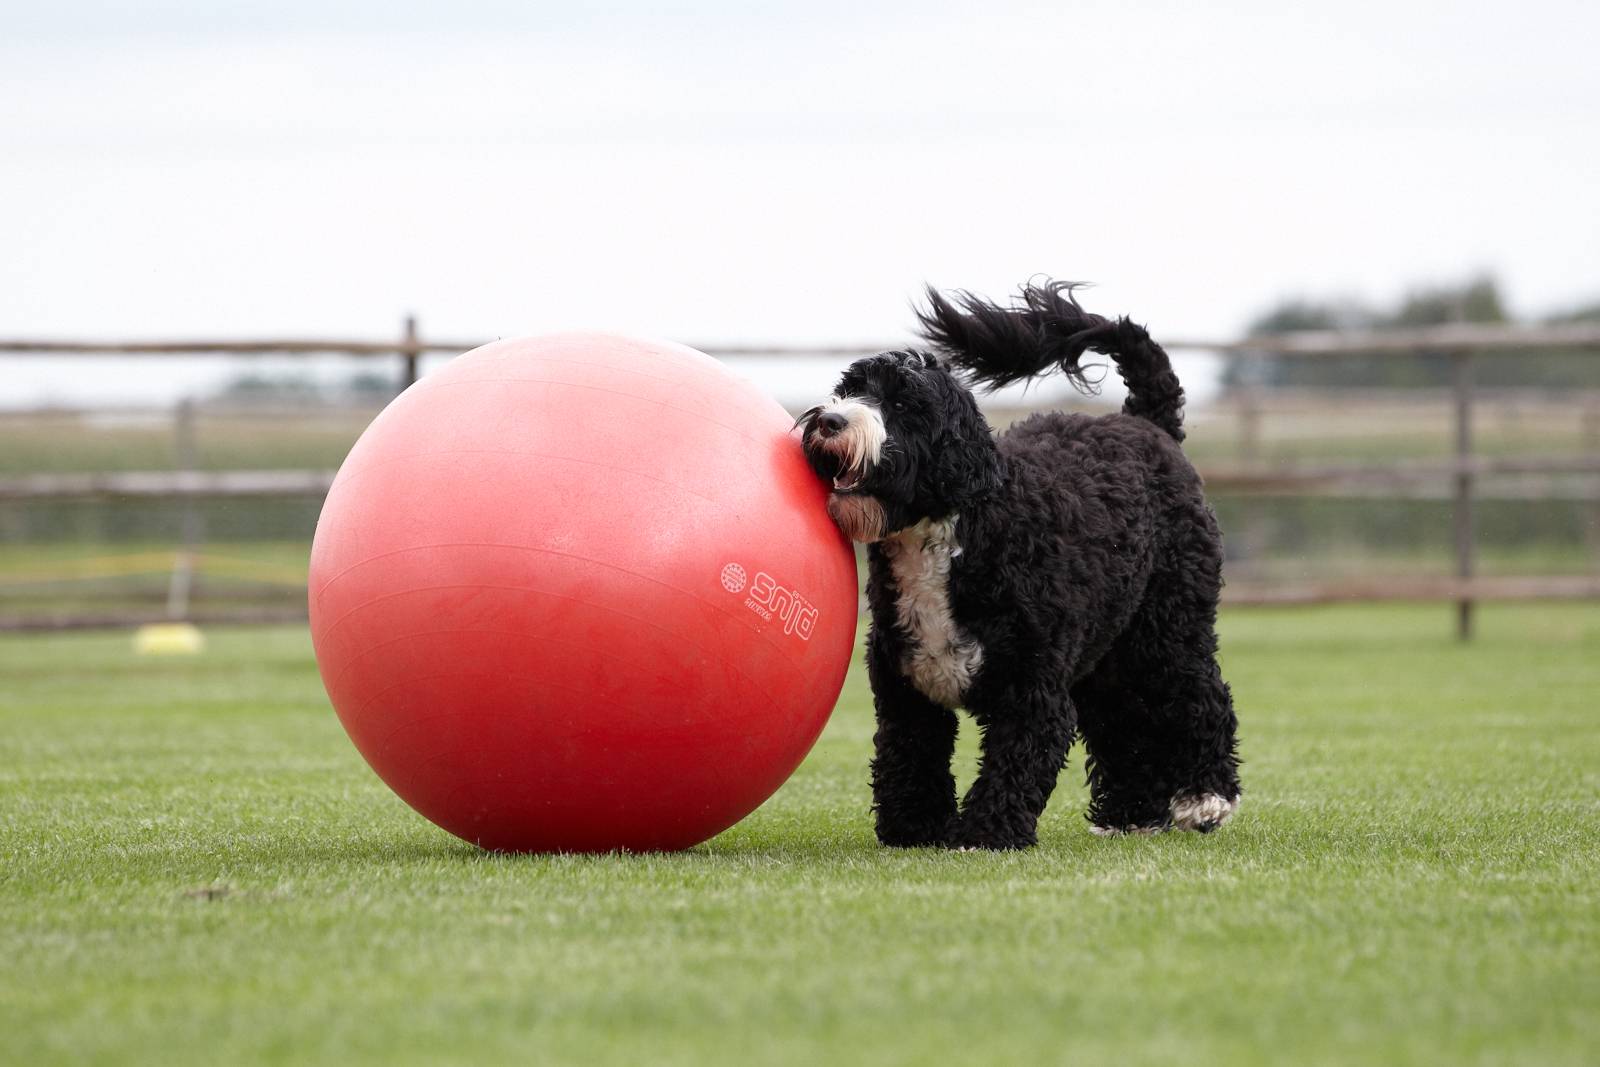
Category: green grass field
[196,867]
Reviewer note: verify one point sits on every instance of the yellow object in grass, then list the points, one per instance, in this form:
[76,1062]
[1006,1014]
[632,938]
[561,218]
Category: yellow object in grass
[168,639]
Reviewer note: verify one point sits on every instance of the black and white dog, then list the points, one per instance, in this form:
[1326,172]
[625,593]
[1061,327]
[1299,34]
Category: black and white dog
[1059,578]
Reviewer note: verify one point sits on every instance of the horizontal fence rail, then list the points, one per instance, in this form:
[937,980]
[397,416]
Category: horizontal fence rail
[1462,478]
[1454,339]
[1281,479]
[175,485]
[1234,594]
[1431,339]
[1556,587]
[312,347]
[48,623]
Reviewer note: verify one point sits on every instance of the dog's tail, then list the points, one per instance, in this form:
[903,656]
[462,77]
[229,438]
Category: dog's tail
[1045,328]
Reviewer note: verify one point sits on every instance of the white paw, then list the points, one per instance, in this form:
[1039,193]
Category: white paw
[1118,831]
[1205,812]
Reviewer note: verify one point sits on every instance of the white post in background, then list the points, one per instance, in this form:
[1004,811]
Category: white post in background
[181,585]
[1465,554]
[1589,445]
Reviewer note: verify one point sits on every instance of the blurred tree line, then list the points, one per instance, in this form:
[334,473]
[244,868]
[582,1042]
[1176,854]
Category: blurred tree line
[1475,300]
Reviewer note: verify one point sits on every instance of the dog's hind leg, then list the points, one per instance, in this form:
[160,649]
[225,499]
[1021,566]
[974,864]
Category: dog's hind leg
[913,790]
[1159,726]
[1026,734]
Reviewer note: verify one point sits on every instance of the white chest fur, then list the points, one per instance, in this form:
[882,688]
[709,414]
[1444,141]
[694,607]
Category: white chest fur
[941,660]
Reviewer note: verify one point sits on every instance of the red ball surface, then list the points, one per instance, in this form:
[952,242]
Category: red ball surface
[581,593]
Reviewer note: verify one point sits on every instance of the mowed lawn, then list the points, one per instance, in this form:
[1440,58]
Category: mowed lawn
[196,867]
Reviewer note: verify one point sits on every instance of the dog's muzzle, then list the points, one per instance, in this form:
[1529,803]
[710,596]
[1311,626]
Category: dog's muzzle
[851,433]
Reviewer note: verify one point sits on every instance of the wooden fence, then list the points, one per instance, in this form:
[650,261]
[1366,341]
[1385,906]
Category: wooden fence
[1461,473]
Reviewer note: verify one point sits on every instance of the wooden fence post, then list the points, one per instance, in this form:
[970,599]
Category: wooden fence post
[1250,423]
[410,352]
[1249,444]
[1461,364]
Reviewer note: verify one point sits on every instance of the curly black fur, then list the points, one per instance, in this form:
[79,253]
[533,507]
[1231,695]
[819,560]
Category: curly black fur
[1060,579]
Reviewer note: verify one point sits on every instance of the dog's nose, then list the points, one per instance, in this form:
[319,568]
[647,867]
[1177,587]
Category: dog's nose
[830,423]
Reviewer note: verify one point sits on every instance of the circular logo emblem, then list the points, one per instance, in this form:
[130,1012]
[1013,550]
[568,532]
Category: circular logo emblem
[733,578]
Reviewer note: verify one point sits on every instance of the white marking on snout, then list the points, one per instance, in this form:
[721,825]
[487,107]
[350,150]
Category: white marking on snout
[942,660]
[860,444]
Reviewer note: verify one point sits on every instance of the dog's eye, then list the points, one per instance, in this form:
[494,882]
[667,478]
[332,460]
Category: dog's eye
[897,405]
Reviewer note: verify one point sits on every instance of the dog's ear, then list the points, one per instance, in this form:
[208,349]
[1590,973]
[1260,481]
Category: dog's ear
[967,463]
[967,474]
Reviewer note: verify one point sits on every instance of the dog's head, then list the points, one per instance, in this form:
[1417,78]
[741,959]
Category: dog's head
[900,440]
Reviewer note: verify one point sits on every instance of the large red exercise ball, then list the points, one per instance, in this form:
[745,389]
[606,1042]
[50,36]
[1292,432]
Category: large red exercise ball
[581,593]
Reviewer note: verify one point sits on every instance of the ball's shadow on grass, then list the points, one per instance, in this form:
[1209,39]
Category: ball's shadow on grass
[747,846]
[453,850]
[731,846]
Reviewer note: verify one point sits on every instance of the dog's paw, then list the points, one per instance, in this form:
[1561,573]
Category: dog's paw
[971,837]
[911,842]
[988,846]
[1202,813]
[907,834]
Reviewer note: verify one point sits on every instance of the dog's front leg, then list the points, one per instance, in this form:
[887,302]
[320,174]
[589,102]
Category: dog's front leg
[913,791]
[1025,741]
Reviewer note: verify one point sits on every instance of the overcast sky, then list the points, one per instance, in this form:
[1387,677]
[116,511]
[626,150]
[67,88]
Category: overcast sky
[778,172]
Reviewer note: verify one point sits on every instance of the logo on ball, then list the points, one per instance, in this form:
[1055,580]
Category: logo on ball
[733,578]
